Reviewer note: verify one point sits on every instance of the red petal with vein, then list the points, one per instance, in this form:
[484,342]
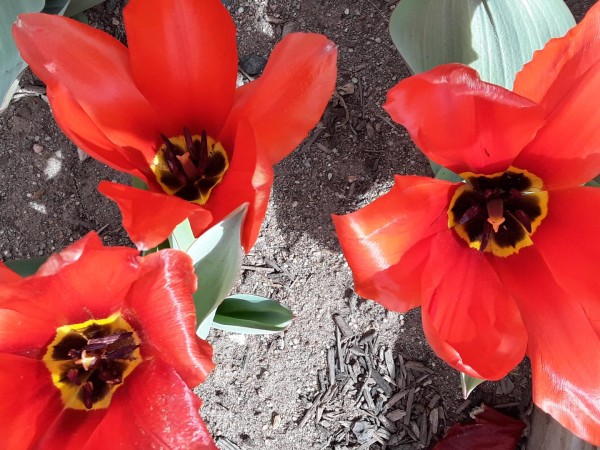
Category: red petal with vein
[248,180]
[381,240]
[153,409]
[36,306]
[469,319]
[184,60]
[490,431]
[149,217]
[287,101]
[461,122]
[557,68]
[570,244]
[94,68]
[7,275]
[566,151]
[70,254]
[29,401]
[82,130]
[161,303]
[564,343]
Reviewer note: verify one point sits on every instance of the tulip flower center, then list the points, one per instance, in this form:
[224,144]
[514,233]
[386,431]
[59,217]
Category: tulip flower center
[89,361]
[190,166]
[498,213]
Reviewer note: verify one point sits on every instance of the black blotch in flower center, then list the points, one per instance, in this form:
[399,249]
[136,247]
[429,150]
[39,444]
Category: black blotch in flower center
[498,213]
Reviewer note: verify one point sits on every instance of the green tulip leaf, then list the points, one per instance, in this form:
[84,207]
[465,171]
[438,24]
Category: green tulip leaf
[469,383]
[25,267]
[250,314]
[494,37]
[76,7]
[57,7]
[217,255]
[594,183]
[11,63]
[444,174]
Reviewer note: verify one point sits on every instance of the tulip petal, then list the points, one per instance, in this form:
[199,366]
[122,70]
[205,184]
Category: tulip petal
[563,77]
[555,69]
[81,129]
[149,217]
[29,401]
[569,243]
[153,409]
[7,275]
[248,180]
[461,122]
[564,343]
[287,101]
[184,60]
[469,319]
[70,254]
[161,302]
[566,151]
[32,309]
[385,242]
[94,68]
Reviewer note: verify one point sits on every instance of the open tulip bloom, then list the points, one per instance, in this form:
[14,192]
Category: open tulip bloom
[166,110]
[98,350]
[506,263]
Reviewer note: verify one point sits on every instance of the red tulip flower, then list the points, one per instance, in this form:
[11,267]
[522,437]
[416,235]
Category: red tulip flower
[98,350]
[506,263]
[166,109]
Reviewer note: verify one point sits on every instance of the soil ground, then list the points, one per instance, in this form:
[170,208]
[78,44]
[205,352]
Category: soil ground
[271,392]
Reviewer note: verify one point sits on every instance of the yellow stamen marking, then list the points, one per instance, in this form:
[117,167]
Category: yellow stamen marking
[104,372]
[192,181]
[498,213]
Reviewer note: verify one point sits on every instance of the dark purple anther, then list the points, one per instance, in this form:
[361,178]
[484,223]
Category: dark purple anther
[175,167]
[471,213]
[522,217]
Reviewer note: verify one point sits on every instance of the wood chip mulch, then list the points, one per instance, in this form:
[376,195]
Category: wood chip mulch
[370,400]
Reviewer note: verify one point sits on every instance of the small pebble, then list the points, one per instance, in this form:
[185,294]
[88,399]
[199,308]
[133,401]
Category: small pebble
[37,148]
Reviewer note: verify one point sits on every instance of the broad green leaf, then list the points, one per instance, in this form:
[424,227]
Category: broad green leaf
[56,6]
[182,237]
[11,64]
[594,183]
[444,174]
[76,7]
[250,314]
[469,383]
[494,37]
[217,256]
[25,267]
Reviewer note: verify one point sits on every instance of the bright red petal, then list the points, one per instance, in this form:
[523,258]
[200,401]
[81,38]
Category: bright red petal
[384,241]
[161,303]
[7,275]
[81,129]
[94,69]
[469,318]
[32,309]
[153,409]
[569,242]
[461,122]
[564,343]
[557,68]
[566,151]
[149,217]
[71,254]
[248,180]
[30,402]
[490,431]
[184,60]
[287,101]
